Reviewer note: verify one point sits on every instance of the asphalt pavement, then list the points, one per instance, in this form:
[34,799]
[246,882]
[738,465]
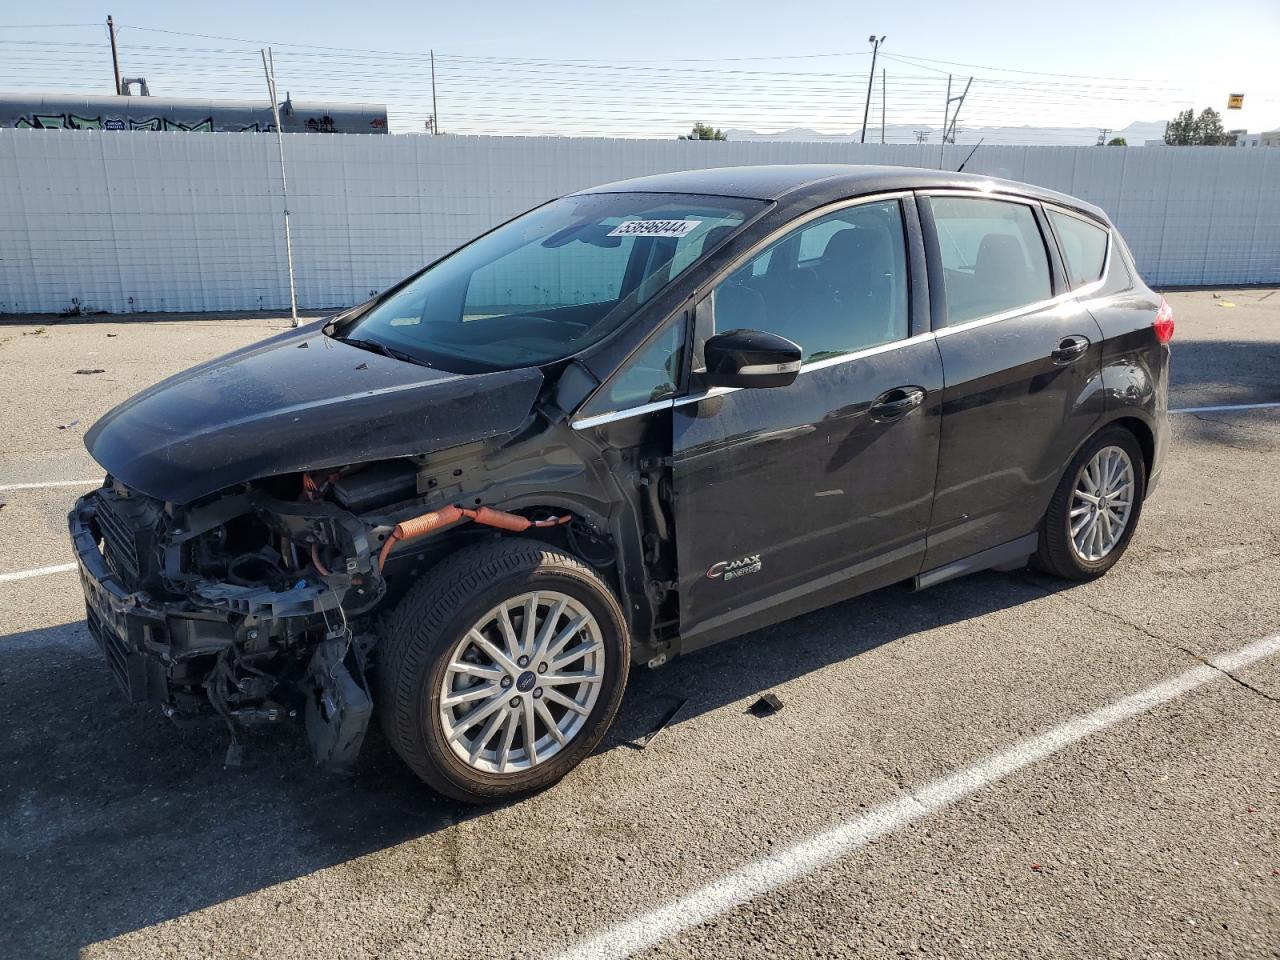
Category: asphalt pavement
[953,741]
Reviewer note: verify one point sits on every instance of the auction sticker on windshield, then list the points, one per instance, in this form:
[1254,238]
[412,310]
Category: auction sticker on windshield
[654,228]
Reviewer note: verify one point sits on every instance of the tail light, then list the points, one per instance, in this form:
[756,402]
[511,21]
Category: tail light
[1163,323]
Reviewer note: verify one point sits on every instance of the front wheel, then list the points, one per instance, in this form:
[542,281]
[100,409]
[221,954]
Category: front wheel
[502,670]
[1096,507]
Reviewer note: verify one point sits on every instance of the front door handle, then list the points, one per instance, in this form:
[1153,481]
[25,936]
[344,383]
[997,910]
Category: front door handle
[896,403]
[1070,349]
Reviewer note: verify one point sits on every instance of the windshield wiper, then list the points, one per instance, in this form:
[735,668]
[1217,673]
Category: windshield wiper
[382,348]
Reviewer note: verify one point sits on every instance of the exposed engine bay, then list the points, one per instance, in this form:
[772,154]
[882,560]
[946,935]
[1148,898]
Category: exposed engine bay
[258,603]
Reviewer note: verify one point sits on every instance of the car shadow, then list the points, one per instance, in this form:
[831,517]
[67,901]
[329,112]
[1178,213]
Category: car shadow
[114,819]
[1225,372]
[1211,372]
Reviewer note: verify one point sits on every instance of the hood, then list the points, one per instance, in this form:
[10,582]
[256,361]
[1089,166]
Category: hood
[294,402]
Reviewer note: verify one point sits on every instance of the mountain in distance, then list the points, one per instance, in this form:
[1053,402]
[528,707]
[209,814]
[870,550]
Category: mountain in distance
[1135,134]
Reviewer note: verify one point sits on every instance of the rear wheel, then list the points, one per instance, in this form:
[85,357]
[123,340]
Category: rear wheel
[502,670]
[1096,507]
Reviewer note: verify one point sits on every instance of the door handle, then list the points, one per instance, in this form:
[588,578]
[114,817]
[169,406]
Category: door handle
[896,403]
[1070,349]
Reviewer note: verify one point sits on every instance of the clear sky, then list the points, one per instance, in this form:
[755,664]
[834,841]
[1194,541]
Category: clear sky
[647,67]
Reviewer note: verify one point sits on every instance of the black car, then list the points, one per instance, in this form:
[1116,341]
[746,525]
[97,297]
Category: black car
[629,423]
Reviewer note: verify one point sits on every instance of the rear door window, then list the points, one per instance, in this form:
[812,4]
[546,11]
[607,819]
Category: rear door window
[1084,247]
[993,256]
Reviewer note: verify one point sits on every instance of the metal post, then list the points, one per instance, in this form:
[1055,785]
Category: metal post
[884,78]
[946,111]
[871,78]
[955,117]
[435,112]
[269,68]
[115,56]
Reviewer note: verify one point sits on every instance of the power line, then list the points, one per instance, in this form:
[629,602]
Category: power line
[1040,73]
[44,26]
[641,97]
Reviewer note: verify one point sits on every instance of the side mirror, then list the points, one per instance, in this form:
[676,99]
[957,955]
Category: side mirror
[750,358]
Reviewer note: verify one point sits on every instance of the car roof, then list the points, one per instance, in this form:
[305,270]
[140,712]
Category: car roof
[825,182]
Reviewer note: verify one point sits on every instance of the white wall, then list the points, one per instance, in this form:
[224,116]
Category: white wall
[177,221]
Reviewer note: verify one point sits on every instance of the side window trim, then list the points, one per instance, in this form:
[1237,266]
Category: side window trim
[1059,281]
[919,297]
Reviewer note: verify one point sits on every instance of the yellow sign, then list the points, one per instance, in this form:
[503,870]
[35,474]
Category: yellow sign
[1235,101]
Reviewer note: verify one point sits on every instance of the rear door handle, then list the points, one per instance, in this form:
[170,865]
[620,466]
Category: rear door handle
[896,403]
[1070,349]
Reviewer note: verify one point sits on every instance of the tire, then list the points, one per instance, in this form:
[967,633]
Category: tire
[1058,552]
[428,643]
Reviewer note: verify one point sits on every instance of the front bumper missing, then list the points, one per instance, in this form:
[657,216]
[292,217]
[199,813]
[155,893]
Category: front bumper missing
[153,648]
[181,654]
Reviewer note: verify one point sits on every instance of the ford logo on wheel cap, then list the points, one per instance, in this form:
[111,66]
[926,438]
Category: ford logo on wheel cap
[526,681]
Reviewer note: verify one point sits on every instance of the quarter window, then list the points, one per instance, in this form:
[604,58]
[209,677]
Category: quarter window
[834,286]
[650,375]
[1084,247]
[993,256]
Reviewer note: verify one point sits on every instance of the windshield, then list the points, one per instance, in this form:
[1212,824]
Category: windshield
[548,283]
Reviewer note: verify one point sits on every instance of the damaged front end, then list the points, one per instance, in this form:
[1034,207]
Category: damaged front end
[256,603]
[245,603]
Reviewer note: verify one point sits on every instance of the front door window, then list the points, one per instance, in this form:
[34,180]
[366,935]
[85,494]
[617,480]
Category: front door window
[834,286]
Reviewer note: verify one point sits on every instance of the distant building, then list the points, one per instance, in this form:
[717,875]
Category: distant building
[71,112]
[1242,138]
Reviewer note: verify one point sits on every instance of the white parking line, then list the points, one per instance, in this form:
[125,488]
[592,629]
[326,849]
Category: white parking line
[36,572]
[801,859]
[1227,407]
[50,483]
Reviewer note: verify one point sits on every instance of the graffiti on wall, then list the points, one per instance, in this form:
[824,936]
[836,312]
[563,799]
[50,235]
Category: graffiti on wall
[73,121]
[188,116]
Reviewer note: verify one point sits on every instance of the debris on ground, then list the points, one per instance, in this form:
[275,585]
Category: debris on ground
[113,334]
[87,370]
[766,706]
[662,724]
[68,426]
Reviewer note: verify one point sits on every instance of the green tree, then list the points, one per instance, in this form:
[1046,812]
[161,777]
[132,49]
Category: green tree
[703,132]
[1209,128]
[1188,130]
[1179,131]
[1117,142]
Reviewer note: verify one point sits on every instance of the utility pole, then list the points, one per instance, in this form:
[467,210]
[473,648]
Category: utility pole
[948,117]
[269,68]
[115,56]
[1102,136]
[946,112]
[883,97]
[871,78]
[921,137]
[435,112]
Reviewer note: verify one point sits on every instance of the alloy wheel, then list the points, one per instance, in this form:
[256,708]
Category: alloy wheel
[521,682]
[1101,504]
